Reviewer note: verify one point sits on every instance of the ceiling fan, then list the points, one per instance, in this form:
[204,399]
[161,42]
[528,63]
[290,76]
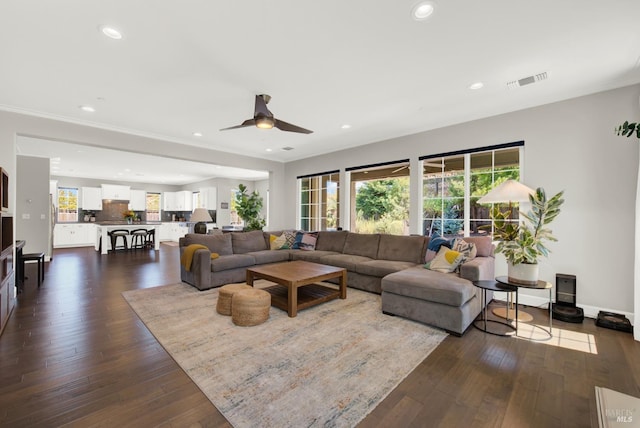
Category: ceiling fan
[263,118]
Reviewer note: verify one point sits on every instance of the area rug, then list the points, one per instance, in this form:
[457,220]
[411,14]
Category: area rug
[329,366]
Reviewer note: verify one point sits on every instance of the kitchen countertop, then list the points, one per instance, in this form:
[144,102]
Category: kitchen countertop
[124,223]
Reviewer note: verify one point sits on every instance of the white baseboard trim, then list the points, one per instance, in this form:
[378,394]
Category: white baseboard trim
[536,301]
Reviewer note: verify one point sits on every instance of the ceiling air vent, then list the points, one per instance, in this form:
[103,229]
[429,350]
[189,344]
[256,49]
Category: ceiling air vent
[527,80]
[287,148]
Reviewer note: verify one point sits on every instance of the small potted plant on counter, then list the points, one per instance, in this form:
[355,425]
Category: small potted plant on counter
[129,215]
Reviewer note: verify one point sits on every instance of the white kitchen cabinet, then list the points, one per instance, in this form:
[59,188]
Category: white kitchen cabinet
[169,201]
[208,198]
[138,201]
[164,232]
[91,198]
[184,200]
[116,192]
[74,235]
[178,201]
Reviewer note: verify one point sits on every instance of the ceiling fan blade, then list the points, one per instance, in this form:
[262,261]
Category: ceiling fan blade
[284,126]
[248,122]
[261,107]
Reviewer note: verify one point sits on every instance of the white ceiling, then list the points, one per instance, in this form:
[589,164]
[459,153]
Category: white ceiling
[197,65]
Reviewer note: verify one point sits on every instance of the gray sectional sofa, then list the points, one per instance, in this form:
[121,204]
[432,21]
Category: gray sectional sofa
[389,265]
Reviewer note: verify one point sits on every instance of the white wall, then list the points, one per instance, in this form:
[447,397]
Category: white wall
[569,145]
[32,201]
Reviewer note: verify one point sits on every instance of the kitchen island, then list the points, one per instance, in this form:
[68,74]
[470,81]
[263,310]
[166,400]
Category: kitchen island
[103,229]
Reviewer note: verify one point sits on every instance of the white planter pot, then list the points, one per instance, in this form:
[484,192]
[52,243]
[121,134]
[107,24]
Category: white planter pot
[523,273]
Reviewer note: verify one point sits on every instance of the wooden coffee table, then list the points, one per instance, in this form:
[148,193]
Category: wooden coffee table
[299,288]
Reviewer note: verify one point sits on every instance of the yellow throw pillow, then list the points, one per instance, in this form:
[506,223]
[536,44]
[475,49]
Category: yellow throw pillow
[446,261]
[214,256]
[278,242]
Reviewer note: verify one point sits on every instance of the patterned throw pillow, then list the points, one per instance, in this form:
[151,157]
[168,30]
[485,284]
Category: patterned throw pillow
[290,236]
[308,242]
[467,249]
[446,261]
[278,242]
[435,243]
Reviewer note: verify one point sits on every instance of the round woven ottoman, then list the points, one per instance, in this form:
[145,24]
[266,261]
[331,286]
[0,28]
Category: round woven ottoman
[250,307]
[223,307]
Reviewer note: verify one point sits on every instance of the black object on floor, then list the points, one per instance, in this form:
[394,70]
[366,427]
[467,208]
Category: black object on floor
[567,313]
[614,321]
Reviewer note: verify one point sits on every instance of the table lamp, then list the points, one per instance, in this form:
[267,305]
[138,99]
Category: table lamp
[508,192]
[200,216]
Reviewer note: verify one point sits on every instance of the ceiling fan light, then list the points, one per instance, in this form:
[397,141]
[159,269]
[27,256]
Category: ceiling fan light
[264,122]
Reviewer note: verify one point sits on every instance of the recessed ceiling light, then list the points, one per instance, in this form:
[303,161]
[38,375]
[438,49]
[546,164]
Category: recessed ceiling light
[345,126]
[477,85]
[197,134]
[423,10]
[269,150]
[111,32]
[88,109]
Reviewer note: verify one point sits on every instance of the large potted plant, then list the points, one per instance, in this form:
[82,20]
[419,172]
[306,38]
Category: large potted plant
[523,244]
[248,207]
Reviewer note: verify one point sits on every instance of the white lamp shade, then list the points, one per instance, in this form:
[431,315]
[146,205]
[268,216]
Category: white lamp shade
[509,191]
[200,214]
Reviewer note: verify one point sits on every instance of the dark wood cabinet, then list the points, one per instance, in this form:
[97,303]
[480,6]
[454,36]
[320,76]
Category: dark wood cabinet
[7,254]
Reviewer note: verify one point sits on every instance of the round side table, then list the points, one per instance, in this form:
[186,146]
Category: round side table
[541,285]
[481,322]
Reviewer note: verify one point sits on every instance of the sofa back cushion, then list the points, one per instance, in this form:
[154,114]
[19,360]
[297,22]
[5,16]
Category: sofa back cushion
[361,244]
[331,241]
[402,248]
[220,244]
[484,246]
[246,242]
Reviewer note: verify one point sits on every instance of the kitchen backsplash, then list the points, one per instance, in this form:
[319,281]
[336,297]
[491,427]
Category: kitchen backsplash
[114,210]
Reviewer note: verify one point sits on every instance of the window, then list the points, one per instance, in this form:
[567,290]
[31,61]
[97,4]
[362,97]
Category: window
[67,204]
[453,183]
[196,200]
[381,203]
[319,201]
[235,218]
[153,206]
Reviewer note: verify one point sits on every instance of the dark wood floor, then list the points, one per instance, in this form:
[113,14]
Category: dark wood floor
[74,353]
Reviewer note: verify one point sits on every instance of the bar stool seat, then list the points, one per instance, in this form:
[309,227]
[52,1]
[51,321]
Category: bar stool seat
[39,257]
[118,233]
[139,238]
[151,238]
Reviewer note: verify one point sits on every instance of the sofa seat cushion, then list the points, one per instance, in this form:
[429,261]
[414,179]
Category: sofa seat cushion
[232,262]
[310,256]
[347,261]
[246,242]
[380,268]
[425,284]
[268,256]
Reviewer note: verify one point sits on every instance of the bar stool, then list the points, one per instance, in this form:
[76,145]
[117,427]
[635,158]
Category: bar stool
[39,257]
[118,233]
[139,238]
[151,238]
